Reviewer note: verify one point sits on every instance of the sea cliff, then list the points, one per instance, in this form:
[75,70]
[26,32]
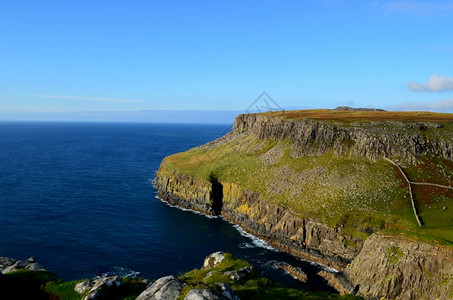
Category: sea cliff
[319,187]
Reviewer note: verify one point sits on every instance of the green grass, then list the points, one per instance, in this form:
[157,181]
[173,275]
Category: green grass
[353,192]
[65,290]
[44,285]
[253,287]
[362,116]
[393,255]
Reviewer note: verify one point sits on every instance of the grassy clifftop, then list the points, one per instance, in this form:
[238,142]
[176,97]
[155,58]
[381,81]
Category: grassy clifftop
[348,116]
[306,162]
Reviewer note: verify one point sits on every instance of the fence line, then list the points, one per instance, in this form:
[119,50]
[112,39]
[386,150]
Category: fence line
[410,189]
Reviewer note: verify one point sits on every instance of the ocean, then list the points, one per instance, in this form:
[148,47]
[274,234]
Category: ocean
[79,197]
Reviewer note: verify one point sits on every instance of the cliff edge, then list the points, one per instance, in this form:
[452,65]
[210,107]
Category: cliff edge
[336,187]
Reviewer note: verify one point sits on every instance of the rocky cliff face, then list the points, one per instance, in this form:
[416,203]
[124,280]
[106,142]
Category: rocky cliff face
[402,269]
[278,226]
[373,140]
[377,267]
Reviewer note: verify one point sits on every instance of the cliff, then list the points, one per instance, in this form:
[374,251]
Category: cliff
[317,185]
[373,140]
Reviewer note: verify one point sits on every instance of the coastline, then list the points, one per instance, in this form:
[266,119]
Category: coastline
[259,242]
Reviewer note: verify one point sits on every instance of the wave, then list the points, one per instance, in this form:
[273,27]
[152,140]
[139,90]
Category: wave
[255,240]
[325,268]
[120,271]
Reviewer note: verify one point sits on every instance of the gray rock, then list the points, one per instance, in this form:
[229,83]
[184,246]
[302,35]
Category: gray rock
[239,274]
[6,262]
[18,265]
[8,265]
[100,288]
[227,292]
[83,286]
[35,267]
[165,288]
[373,140]
[213,260]
[201,295]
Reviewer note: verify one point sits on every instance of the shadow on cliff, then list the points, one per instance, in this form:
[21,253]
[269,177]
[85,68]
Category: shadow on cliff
[217,195]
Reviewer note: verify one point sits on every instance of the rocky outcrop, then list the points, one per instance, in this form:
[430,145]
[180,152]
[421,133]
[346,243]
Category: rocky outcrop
[9,265]
[99,288]
[240,274]
[213,260]
[173,187]
[296,272]
[373,140]
[226,293]
[398,268]
[168,287]
[339,282]
[347,108]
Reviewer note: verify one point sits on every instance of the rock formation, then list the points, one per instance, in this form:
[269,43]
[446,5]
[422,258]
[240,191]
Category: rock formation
[9,265]
[373,267]
[170,287]
[373,140]
[99,288]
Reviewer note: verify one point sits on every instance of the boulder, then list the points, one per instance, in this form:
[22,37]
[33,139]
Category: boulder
[100,288]
[239,274]
[8,265]
[201,295]
[225,293]
[83,286]
[213,260]
[165,288]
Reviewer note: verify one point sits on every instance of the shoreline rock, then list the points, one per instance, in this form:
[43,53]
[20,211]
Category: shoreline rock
[9,265]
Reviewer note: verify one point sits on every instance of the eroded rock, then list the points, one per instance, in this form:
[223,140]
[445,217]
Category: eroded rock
[398,268]
[241,274]
[213,260]
[99,288]
[201,295]
[9,265]
[165,288]
[225,293]
[294,271]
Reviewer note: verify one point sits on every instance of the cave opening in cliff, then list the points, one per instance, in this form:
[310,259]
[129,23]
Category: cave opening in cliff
[217,195]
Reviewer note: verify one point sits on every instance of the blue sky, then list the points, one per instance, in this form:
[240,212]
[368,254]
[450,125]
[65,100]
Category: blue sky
[75,56]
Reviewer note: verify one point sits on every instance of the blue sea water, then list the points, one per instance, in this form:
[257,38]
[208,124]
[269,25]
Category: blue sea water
[79,198]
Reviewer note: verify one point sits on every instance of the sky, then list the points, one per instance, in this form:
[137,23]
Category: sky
[67,58]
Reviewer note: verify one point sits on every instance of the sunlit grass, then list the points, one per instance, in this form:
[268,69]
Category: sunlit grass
[360,195]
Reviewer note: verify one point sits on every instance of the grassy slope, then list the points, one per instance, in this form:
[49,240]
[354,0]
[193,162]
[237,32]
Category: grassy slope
[65,289]
[253,287]
[355,116]
[361,195]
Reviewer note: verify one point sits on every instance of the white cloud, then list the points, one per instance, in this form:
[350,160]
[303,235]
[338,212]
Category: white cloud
[88,98]
[439,106]
[436,83]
